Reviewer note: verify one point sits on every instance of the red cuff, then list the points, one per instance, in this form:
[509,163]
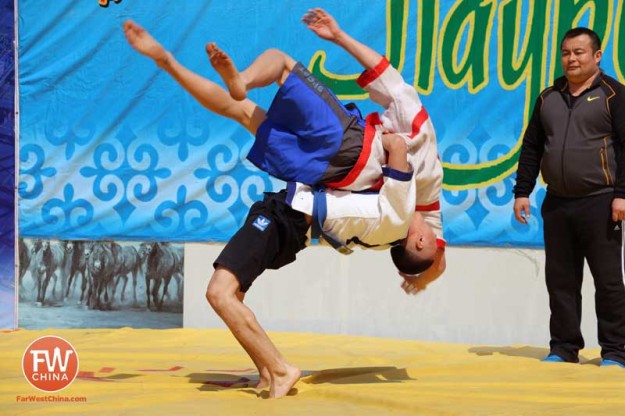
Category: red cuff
[434,206]
[370,75]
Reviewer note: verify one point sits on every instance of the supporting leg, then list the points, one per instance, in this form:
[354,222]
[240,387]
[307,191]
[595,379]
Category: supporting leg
[222,296]
[263,373]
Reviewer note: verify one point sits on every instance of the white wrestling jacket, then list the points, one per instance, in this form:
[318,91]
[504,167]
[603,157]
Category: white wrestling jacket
[370,220]
[404,115]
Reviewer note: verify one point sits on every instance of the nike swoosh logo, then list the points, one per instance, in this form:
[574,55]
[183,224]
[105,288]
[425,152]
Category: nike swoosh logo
[589,99]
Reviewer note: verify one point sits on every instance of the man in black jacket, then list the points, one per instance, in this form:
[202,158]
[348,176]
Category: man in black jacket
[575,138]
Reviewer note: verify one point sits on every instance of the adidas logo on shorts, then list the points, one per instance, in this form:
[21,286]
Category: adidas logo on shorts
[261,223]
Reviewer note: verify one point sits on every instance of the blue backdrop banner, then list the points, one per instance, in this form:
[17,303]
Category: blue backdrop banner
[112,148]
[7,167]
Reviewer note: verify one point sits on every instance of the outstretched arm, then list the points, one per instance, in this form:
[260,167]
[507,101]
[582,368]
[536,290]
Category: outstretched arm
[323,25]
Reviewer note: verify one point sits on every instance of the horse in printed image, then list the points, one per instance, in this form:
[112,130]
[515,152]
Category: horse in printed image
[103,272]
[128,262]
[78,253]
[163,262]
[101,267]
[25,257]
[49,263]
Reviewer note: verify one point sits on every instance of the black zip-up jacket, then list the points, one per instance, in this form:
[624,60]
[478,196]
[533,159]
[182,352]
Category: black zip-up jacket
[576,142]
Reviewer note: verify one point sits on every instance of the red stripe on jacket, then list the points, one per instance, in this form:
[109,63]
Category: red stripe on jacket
[418,121]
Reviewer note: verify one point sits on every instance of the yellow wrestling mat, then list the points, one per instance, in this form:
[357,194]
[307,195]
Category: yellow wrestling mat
[192,371]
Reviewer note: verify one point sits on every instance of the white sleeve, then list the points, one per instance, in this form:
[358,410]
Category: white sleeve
[373,218]
[396,204]
[403,111]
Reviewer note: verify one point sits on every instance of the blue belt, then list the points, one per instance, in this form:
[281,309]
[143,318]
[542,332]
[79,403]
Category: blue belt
[319,214]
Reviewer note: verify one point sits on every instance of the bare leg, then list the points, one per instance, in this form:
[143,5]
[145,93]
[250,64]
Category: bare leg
[206,92]
[222,296]
[263,373]
[271,66]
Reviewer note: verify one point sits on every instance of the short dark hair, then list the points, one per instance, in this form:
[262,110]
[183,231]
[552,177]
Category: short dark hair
[409,262]
[578,31]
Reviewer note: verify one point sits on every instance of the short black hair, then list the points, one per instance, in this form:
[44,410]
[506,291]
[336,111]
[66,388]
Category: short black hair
[409,263]
[578,31]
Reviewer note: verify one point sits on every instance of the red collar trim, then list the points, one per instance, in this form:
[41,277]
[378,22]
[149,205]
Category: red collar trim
[434,206]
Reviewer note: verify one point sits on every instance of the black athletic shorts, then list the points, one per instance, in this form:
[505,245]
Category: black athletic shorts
[272,235]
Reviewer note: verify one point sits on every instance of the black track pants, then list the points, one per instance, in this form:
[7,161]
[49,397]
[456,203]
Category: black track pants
[576,229]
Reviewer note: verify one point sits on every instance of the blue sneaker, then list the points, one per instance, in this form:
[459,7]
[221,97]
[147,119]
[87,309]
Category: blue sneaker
[606,363]
[553,358]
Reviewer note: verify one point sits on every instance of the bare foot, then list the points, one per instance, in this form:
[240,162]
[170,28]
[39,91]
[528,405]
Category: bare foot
[264,379]
[281,384]
[262,384]
[144,43]
[228,72]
